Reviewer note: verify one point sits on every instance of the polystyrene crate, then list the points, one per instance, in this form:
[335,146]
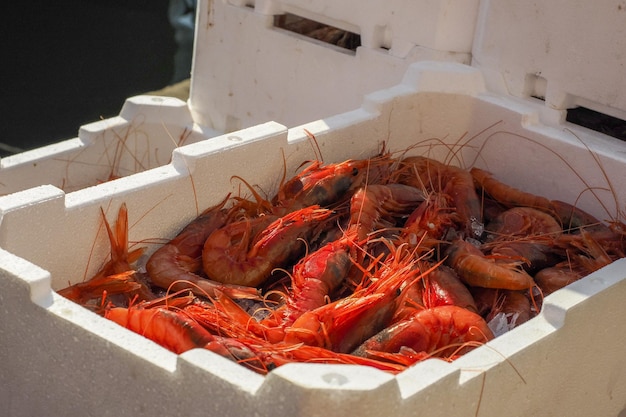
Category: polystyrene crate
[60,359]
[246,70]
[571,54]
[143,136]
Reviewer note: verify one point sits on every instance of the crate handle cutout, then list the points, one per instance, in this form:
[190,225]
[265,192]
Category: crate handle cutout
[318,32]
[597,121]
[580,115]
[242,3]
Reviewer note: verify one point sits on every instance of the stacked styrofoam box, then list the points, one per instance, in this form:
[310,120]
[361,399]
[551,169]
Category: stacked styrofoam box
[141,137]
[572,53]
[60,359]
[246,71]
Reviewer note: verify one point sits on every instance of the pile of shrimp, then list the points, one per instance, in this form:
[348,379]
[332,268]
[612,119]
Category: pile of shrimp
[381,262]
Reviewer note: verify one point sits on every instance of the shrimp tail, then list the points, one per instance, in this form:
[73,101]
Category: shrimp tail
[82,292]
[116,276]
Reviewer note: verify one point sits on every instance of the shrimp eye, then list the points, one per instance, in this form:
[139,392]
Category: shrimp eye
[355,172]
[398,292]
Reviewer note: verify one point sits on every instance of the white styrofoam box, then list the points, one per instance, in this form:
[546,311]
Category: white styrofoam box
[143,136]
[61,359]
[573,53]
[246,71]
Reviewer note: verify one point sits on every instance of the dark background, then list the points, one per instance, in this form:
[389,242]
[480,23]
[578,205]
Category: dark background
[69,63]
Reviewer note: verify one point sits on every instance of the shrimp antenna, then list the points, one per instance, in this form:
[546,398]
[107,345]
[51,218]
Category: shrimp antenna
[264,203]
[316,150]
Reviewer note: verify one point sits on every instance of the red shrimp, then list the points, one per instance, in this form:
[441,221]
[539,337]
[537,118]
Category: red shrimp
[555,277]
[344,324]
[587,252]
[178,333]
[267,342]
[231,256]
[116,276]
[612,241]
[573,218]
[428,223]
[170,329]
[524,234]
[533,254]
[514,305]
[420,171]
[323,185]
[442,286]
[507,195]
[440,331]
[522,222]
[315,276]
[517,307]
[373,204]
[177,264]
[475,269]
[96,287]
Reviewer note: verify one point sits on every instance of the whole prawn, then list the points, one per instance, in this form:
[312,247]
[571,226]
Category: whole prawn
[373,204]
[522,222]
[177,332]
[325,184]
[474,268]
[177,264]
[524,234]
[420,171]
[585,253]
[315,276]
[438,331]
[166,327]
[428,224]
[555,277]
[230,255]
